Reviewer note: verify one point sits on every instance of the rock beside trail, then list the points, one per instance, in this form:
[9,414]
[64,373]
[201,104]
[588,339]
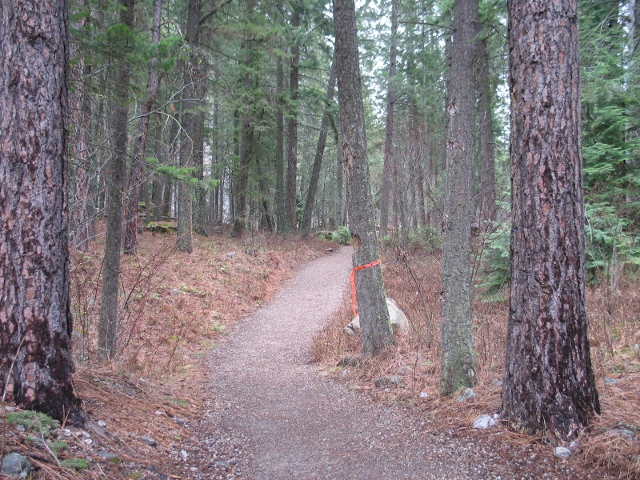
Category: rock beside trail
[388,380]
[484,421]
[399,320]
[16,465]
[468,394]
[562,452]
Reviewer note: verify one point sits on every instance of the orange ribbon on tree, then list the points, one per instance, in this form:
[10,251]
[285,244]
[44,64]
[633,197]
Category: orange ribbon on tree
[352,279]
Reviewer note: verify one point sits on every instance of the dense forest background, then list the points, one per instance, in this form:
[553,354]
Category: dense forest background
[230,118]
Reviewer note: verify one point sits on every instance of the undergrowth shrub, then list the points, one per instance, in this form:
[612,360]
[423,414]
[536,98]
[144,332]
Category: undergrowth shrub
[342,235]
[610,249]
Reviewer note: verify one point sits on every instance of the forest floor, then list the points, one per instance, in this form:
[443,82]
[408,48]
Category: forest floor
[228,368]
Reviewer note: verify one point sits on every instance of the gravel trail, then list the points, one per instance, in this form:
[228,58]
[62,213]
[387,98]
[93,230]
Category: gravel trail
[286,421]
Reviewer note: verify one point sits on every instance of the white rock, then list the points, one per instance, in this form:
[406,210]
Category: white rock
[562,452]
[399,320]
[424,395]
[184,455]
[101,423]
[485,421]
[468,394]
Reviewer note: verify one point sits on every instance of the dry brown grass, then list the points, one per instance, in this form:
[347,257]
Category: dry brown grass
[174,304]
[173,309]
[412,278]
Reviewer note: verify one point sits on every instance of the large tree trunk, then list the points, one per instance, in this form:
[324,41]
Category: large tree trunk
[387,169]
[108,328]
[317,162]
[187,145]
[35,317]
[135,175]
[549,382]
[457,366]
[292,125]
[371,301]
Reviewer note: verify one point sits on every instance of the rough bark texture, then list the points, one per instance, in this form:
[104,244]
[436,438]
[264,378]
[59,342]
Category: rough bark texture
[317,162]
[246,136]
[486,151]
[185,202]
[35,319]
[279,194]
[135,175]
[80,223]
[108,327]
[387,169]
[549,381]
[374,315]
[292,126]
[457,339]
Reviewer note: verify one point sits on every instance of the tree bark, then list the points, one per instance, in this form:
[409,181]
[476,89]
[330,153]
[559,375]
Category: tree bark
[317,162]
[371,300]
[108,325]
[549,382]
[246,136]
[457,366]
[387,169]
[292,125]
[485,135]
[279,194]
[80,102]
[187,145]
[135,175]
[36,365]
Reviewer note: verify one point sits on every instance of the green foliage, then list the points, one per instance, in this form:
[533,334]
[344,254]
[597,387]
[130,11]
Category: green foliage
[342,235]
[162,227]
[426,237]
[75,463]
[58,446]
[33,421]
[495,261]
[607,241]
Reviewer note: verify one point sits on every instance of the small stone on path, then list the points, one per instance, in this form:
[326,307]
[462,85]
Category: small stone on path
[149,441]
[562,452]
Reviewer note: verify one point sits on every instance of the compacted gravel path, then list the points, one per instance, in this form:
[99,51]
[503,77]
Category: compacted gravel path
[283,420]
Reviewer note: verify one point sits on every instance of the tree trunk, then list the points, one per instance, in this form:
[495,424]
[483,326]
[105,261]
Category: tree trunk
[279,194]
[35,318]
[457,366]
[317,162]
[108,328]
[187,145]
[135,175]
[80,102]
[292,125]
[486,140]
[387,169]
[340,214]
[549,382]
[371,301]
[200,204]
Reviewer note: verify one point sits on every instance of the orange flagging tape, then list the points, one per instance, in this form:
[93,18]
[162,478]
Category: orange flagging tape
[354,302]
